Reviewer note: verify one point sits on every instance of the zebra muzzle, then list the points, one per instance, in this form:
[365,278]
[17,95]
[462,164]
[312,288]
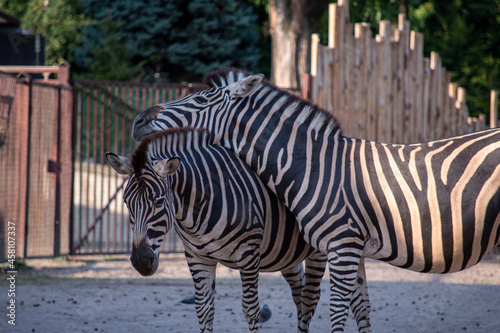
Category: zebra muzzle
[144,259]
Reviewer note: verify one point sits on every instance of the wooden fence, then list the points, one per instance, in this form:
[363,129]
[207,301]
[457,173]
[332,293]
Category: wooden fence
[383,88]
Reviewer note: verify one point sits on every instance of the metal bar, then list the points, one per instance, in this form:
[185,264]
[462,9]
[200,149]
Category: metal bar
[77,154]
[28,160]
[94,157]
[196,86]
[99,217]
[29,69]
[119,92]
[57,212]
[87,156]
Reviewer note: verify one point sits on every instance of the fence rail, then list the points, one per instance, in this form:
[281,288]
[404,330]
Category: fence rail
[383,88]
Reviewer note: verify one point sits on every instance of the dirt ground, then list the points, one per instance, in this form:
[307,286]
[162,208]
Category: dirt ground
[105,294]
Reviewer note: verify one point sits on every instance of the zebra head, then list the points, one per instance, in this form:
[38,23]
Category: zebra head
[200,109]
[150,201]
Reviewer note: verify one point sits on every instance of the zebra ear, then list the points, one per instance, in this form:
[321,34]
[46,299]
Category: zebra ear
[246,86]
[167,166]
[119,163]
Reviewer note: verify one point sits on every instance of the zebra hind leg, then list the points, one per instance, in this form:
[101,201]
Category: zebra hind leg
[360,302]
[343,263]
[295,278]
[315,266]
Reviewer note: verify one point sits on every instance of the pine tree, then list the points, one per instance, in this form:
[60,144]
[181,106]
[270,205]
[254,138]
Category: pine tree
[181,40]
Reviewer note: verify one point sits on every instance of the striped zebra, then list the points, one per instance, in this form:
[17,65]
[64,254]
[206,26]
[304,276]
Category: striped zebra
[430,207]
[223,214]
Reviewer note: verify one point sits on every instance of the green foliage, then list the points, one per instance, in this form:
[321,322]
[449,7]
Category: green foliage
[214,35]
[463,32]
[60,21]
[112,57]
[179,39]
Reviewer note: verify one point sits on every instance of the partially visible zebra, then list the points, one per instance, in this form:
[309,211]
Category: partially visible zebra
[223,213]
[431,207]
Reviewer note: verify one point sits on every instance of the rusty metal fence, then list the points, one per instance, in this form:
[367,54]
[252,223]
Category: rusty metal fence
[104,112]
[56,189]
[35,165]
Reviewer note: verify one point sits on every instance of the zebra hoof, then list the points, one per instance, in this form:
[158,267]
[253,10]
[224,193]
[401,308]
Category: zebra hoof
[189,300]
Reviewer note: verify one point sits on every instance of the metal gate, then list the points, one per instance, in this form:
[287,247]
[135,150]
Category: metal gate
[104,112]
[35,163]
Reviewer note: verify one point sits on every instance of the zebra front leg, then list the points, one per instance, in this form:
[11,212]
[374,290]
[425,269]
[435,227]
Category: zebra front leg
[250,298]
[314,271]
[295,278]
[203,275]
[360,302]
[343,263]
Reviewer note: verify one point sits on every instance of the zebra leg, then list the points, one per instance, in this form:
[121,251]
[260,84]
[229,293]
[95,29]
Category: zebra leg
[203,275]
[295,278]
[343,264]
[315,269]
[250,300]
[360,302]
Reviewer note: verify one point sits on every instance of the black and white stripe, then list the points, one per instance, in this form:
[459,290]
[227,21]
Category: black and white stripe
[431,207]
[223,214]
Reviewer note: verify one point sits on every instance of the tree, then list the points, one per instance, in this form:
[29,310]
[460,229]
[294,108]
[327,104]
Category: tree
[112,56]
[60,21]
[456,29]
[469,47]
[180,40]
[214,34]
[291,24]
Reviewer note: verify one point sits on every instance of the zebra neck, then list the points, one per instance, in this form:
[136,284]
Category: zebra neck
[288,144]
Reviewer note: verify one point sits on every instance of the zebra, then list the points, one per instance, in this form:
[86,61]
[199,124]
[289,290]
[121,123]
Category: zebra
[429,207]
[223,214]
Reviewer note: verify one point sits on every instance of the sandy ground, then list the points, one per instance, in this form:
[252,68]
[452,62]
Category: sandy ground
[105,294]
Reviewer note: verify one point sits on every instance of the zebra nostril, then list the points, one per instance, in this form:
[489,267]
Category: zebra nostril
[139,121]
[152,261]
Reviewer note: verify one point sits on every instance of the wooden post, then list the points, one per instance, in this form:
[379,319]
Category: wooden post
[463,112]
[493,109]
[384,91]
[416,49]
[454,116]
[313,92]
[63,73]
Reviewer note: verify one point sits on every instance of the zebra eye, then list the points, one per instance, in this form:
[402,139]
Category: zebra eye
[200,100]
[159,202]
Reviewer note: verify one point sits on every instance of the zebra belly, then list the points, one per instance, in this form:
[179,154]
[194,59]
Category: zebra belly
[464,248]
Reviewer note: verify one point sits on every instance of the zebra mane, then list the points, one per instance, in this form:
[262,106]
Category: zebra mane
[172,139]
[316,115]
[225,76]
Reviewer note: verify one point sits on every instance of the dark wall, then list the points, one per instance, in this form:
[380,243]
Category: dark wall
[19,49]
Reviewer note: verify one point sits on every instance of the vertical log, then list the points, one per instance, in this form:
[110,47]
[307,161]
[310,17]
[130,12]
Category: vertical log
[493,109]
[453,113]
[384,91]
[357,93]
[372,89]
[417,47]
[445,117]
[425,117]
[435,90]
[463,112]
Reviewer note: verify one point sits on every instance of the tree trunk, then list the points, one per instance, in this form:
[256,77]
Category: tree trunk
[284,31]
[291,24]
